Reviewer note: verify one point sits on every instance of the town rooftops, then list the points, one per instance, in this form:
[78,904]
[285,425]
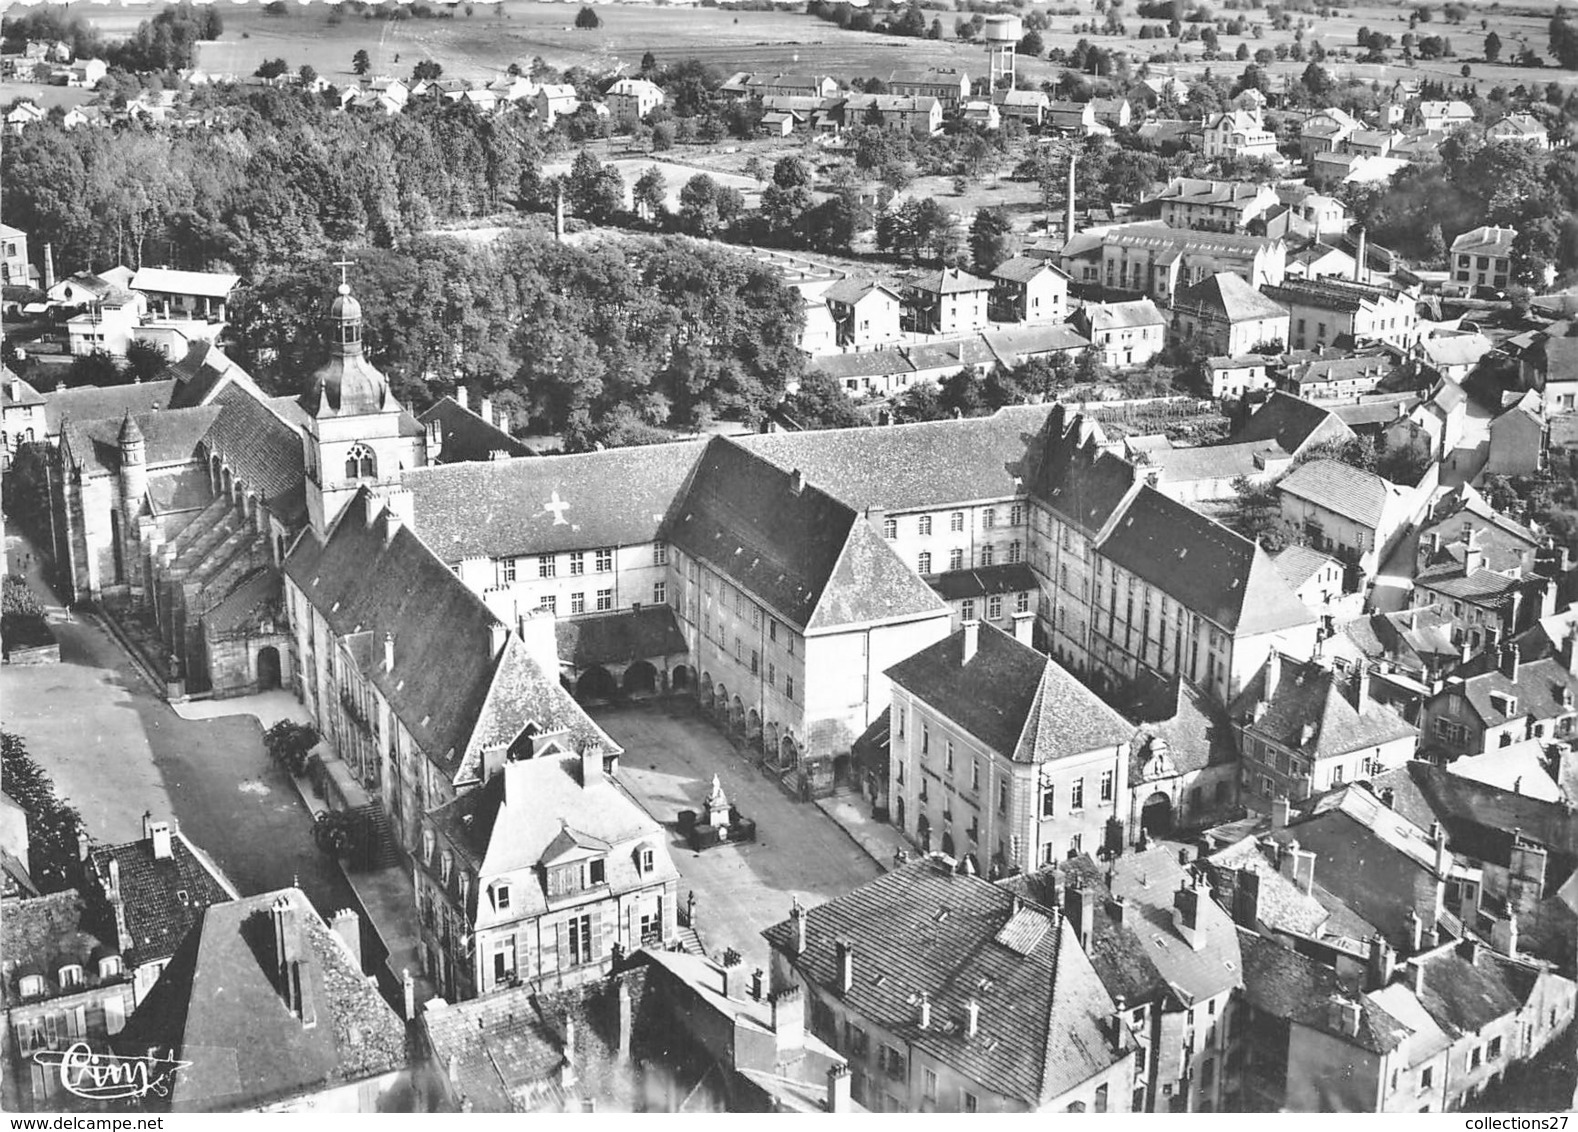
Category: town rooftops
[851,289]
[1280,982]
[1343,490]
[159,897]
[1291,423]
[1329,294]
[1162,238]
[933,76]
[1203,565]
[1228,296]
[1539,689]
[18,393]
[948,281]
[609,638]
[1310,710]
[1081,483]
[42,934]
[1133,314]
[223,1006]
[1024,268]
[1486,240]
[169,437]
[1298,564]
[1013,345]
[926,929]
[102,402]
[1018,701]
[1525,125]
[466,436]
[1279,903]
[166,281]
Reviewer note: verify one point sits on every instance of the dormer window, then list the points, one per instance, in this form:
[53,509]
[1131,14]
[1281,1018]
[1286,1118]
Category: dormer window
[597,872]
[427,844]
[501,897]
[70,976]
[446,866]
[111,967]
[465,887]
[646,860]
[32,986]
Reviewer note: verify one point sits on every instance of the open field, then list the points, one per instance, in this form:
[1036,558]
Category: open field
[485,43]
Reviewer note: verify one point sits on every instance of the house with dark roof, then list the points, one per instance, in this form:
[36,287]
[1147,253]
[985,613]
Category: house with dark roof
[1029,289]
[456,434]
[865,312]
[22,418]
[1349,513]
[1127,333]
[63,984]
[541,875]
[147,894]
[1213,206]
[269,1010]
[1305,728]
[1157,261]
[958,994]
[1481,568]
[1512,701]
[1225,315]
[1332,312]
[1481,257]
[999,757]
[949,301]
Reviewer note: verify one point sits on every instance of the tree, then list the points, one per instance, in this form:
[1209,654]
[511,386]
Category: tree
[427,70]
[53,824]
[990,239]
[272,69]
[648,63]
[821,402]
[1436,246]
[792,172]
[594,190]
[650,193]
[1032,45]
[360,62]
[308,74]
[290,745]
[935,31]
[1256,513]
[698,206]
[587,19]
[96,368]
[1492,48]
[145,361]
[754,169]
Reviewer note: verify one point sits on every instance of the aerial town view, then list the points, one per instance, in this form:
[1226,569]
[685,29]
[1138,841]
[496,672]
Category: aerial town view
[844,556]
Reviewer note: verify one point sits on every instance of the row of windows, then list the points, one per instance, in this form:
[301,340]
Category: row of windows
[1076,794]
[548,564]
[956,521]
[994,606]
[603,600]
[956,559]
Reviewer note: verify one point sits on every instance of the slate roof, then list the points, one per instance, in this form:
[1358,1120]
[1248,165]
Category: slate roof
[1196,734]
[1298,564]
[853,288]
[863,363]
[1044,1015]
[177,489]
[620,636]
[466,436]
[1480,819]
[914,466]
[218,1006]
[262,450]
[1177,240]
[1485,240]
[1280,904]
[1308,694]
[1080,483]
[1120,316]
[101,402]
[198,373]
[1537,690]
[1023,268]
[1284,984]
[1463,997]
[948,281]
[1289,422]
[1016,700]
[26,394]
[41,935]
[162,898]
[1343,490]
[497,509]
[169,437]
[1327,294]
[1228,296]
[256,596]
[954,585]
[1012,346]
[1203,565]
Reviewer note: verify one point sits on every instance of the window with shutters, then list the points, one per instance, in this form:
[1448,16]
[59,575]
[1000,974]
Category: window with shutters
[597,871]
[1048,800]
[582,949]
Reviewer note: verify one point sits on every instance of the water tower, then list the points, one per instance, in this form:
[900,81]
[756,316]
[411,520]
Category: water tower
[1002,35]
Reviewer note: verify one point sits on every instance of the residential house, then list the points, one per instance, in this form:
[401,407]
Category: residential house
[15,270]
[1481,568]
[1027,289]
[1213,206]
[1029,106]
[949,86]
[1511,702]
[1480,257]
[1451,357]
[983,115]
[539,874]
[1444,116]
[1225,315]
[1522,128]
[22,417]
[1183,768]
[798,84]
[1342,378]
[1001,595]
[1315,577]
[1351,514]
[63,984]
[268,1009]
[999,756]
[1239,134]
[1369,143]
[457,433]
[1232,378]
[1550,366]
[631,100]
[866,313]
[553,101]
[1171,960]
[1414,644]
[1309,214]
[1305,728]
[1127,334]
[1155,260]
[920,115]
[1075,119]
[186,294]
[1329,312]
[153,892]
[949,301]
[1325,131]
[1519,438]
[109,324]
[23,115]
[1000,1011]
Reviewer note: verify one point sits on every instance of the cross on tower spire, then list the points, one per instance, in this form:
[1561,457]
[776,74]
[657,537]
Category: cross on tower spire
[345,266]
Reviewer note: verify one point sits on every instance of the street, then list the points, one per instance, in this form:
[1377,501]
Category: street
[115,750]
[740,889]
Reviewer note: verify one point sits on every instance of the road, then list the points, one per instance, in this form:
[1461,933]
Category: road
[740,889]
[115,750]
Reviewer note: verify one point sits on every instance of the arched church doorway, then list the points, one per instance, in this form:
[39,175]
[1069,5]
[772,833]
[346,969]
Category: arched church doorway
[1156,816]
[268,668]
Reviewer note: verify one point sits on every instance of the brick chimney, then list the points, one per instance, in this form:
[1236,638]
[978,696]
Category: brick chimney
[347,926]
[388,652]
[838,1087]
[1281,808]
[1416,931]
[158,836]
[1273,675]
[797,930]
[1342,1015]
[567,1076]
[1186,916]
[591,764]
[972,641]
[293,975]
[1468,951]
[846,966]
[1023,623]
[788,1007]
[972,1017]
[1079,906]
[626,1024]
[1509,661]
[1246,898]
[796,482]
[923,1011]
[1380,964]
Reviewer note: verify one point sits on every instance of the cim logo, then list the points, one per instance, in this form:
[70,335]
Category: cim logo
[106,1077]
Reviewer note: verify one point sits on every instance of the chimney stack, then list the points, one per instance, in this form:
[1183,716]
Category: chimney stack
[756,984]
[158,835]
[1246,898]
[293,976]
[347,926]
[796,482]
[1186,916]
[567,1070]
[485,408]
[972,1017]
[1504,934]
[1118,909]
[1361,270]
[788,1007]
[1079,906]
[1416,930]
[972,640]
[388,652]
[923,1011]
[1273,674]
[591,764]
[1468,951]
[49,266]
[1281,808]
[625,1020]
[1509,661]
[1361,687]
[797,929]
[1068,215]
[846,966]
[838,1087]
[463,397]
[1382,962]
[1023,623]
[1443,855]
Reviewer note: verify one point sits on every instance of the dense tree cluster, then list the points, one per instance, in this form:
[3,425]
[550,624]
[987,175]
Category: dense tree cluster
[53,824]
[590,341]
[167,42]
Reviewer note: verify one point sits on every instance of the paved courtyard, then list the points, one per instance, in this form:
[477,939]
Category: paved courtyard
[115,749]
[740,889]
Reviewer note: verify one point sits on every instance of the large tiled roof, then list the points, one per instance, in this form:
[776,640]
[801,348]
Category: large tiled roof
[870,584]
[949,281]
[41,935]
[163,898]
[913,466]
[1119,316]
[1464,997]
[620,636]
[1327,294]
[853,288]
[168,437]
[1203,565]
[201,370]
[25,393]
[466,436]
[1016,700]
[1281,905]
[260,449]
[1480,819]
[1044,1025]
[1014,577]
[211,284]
[219,1006]
[1081,484]
[1537,691]
[502,508]
[1290,423]
[1298,564]
[1011,346]
[1485,240]
[1228,296]
[96,402]
[1196,734]
[1023,268]
[1161,237]
[1308,695]
[1342,489]
[1284,984]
